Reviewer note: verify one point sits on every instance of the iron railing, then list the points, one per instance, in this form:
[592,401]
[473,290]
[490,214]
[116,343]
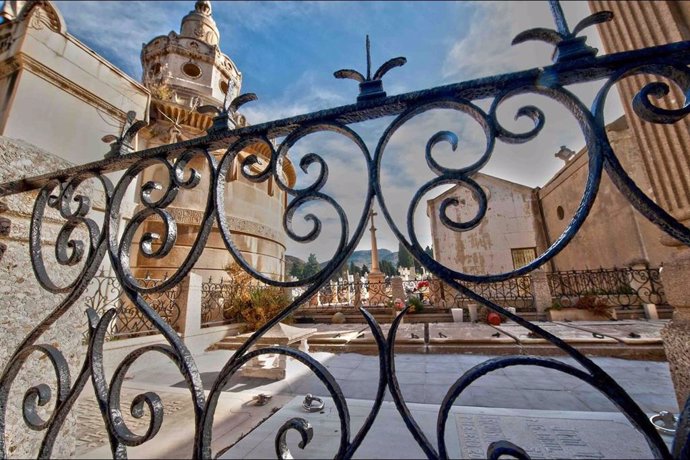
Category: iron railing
[618,287]
[574,63]
[351,294]
[105,292]
[216,297]
[515,292]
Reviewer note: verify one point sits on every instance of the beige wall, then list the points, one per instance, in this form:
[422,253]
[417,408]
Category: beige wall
[509,223]
[614,234]
[64,96]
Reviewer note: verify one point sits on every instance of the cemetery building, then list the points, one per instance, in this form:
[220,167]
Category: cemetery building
[521,222]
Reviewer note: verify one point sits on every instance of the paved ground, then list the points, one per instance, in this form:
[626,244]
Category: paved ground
[424,378]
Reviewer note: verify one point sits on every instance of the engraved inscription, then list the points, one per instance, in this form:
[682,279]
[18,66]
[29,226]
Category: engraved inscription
[548,437]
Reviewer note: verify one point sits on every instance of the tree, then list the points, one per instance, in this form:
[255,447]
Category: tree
[353,268]
[405,259]
[387,268]
[311,268]
[355,271]
[429,251]
[365,269]
[297,269]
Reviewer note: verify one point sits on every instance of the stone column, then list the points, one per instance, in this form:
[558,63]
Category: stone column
[664,148]
[540,291]
[358,292]
[189,302]
[374,247]
[676,334]
[376,278]
[665,155]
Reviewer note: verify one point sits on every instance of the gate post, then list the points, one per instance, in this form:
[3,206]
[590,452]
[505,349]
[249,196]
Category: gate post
[676,334]
[540,290]
[397,288]
[189,302]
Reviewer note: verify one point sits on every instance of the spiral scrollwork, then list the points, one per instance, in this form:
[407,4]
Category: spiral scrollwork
[68,251]
[300,197]
[645,109]
[177,174]
[302,426]
[180,176]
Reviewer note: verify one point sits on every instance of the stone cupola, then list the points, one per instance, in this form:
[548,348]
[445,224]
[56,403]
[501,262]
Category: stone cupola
[199,24]
[187,70]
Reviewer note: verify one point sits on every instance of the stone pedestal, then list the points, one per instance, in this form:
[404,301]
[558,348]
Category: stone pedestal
[676,334]
[377,292]
[397,288]
[541,291]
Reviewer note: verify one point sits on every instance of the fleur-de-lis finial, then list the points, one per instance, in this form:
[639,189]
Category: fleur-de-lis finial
[227,116]
[371,88]
[568,45]
[122,145]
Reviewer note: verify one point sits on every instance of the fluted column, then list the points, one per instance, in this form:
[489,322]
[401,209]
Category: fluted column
[666,155]
[665,148]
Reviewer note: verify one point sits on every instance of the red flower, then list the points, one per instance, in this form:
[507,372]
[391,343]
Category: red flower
[399,304]
[422,284]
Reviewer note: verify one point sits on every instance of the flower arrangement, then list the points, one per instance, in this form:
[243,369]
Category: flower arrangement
[398,304]
[416,304]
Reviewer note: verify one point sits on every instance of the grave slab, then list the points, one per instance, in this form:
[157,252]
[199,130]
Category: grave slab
[466,333]
[642,333]
[412,334]
[565,333]
[469,431]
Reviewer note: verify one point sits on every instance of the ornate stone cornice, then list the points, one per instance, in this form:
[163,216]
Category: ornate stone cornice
[23,61]
[171,44]
[8,66]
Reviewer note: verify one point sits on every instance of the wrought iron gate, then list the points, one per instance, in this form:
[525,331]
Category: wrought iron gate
[574,63]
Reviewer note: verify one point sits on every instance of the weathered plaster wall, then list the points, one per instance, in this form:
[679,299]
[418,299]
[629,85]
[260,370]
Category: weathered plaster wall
[509,223]
[614,234]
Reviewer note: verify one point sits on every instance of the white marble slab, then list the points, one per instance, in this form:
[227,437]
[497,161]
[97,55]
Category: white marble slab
[470,430]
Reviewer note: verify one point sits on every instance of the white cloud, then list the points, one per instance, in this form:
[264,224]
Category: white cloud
[121,27]
[304,96]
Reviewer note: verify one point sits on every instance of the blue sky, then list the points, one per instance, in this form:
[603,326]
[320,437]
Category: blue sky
[288,51]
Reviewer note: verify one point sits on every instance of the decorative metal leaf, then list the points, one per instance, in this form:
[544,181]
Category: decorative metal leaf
[540,34]
[131,116]
[349,73]
[388,65]
[241,100]
[109,138]
[132,131]
[596,18]
[212,109]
